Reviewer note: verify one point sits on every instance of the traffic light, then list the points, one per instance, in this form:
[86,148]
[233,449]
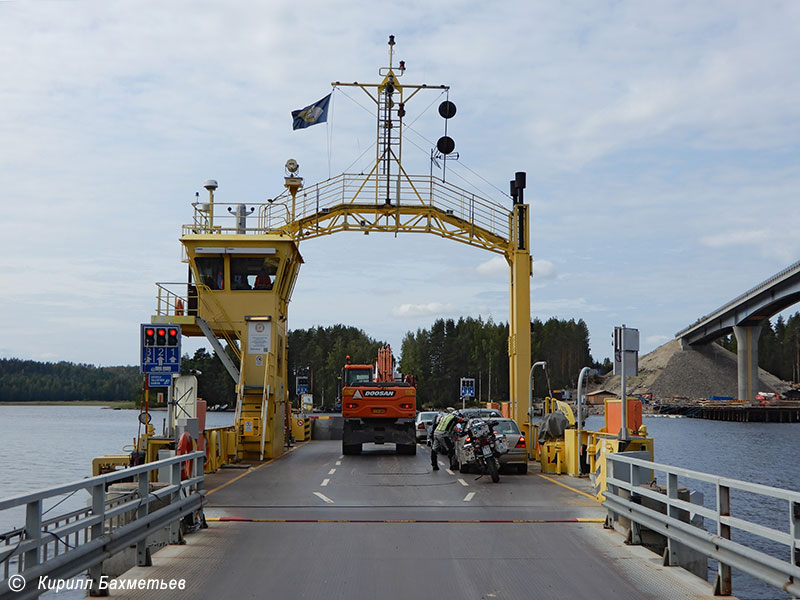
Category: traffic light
[161,336]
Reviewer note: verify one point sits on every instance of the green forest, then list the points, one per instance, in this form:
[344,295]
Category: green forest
[31,381]
[439,356]
[778,347]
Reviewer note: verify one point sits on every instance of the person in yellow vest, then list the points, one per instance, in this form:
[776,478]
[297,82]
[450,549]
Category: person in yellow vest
[443,437]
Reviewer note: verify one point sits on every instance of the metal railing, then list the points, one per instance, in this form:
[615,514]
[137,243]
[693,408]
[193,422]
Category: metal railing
[172,303]
[67,544]
[627,474]
[475,214]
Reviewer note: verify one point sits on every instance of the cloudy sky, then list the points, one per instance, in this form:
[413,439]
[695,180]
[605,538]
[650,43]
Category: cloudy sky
[661,142]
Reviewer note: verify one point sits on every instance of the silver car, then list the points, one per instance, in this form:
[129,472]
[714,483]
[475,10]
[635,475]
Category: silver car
[423,424]
[517,456]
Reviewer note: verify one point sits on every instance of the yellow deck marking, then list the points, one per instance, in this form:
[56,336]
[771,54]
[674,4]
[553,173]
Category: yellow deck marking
[567,486]
[253,469]
[238,477]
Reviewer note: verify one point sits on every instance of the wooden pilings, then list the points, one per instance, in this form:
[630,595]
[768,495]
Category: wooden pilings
[744,414]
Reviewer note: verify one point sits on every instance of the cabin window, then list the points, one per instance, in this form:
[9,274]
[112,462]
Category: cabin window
[253,272]
[211,271]
[357,376]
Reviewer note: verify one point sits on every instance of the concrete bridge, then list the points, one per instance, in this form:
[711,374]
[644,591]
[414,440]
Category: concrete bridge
[744,316]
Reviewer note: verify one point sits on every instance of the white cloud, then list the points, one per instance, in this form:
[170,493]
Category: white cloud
[564,308]
[642,127]
[494,267]
[653,341]
[543,269]
[738,238]
[430,309]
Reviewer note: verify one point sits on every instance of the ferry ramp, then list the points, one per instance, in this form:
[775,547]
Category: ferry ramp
[317,524]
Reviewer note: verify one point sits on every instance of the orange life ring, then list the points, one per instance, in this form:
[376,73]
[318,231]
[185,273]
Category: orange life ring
[185,446]
[179,307]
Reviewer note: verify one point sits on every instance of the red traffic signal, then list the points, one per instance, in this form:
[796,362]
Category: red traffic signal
[161,336]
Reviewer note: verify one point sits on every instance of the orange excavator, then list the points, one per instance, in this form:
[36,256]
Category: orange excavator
[376,407]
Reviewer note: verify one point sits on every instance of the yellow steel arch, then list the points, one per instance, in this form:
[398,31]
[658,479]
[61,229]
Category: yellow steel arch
[421,204]
[386,199]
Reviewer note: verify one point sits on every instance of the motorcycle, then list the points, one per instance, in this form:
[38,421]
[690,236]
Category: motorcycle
[482,447]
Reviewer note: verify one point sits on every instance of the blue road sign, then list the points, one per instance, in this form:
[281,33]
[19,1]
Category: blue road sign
[161,359]
[467,387]
[155,380]
[161,349]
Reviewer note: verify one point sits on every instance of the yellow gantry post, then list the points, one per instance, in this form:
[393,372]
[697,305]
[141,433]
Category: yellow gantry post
[224,297]
[519,317]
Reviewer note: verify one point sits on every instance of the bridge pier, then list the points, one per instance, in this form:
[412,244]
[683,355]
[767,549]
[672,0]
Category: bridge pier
[747,355]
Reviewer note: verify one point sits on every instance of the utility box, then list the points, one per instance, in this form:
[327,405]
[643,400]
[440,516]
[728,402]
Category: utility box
[613,413]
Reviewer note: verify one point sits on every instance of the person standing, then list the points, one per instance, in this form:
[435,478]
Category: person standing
[443,442]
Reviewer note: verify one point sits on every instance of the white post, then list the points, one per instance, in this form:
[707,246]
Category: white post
[579,413]
[170,411]
[623,431]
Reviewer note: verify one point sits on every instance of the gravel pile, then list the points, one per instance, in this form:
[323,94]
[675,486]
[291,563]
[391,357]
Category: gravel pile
[670,372]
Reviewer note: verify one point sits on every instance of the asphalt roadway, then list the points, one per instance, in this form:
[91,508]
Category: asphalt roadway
[314,524]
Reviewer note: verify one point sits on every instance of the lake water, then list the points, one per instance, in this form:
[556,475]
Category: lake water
[47,445]
[756,452]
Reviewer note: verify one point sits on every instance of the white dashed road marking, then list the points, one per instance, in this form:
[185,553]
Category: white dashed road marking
[332,471]
[324,482]
[469,496]
[323,497]
[462,482]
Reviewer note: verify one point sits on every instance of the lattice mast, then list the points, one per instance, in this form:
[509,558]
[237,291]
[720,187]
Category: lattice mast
[390,98]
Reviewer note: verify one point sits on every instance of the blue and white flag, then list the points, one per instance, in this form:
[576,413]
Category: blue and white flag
[312,114]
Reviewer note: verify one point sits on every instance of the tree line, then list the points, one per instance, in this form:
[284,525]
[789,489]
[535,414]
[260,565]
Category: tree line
[31,381]
[478,349]
[439,357]
[319,353]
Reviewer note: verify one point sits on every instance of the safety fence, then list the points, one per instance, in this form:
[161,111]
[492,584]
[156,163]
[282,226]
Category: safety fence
[631,496]
[60,546]
[418,203]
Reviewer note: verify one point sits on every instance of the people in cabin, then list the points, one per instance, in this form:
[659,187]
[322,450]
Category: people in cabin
[263,281]
[240,283]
